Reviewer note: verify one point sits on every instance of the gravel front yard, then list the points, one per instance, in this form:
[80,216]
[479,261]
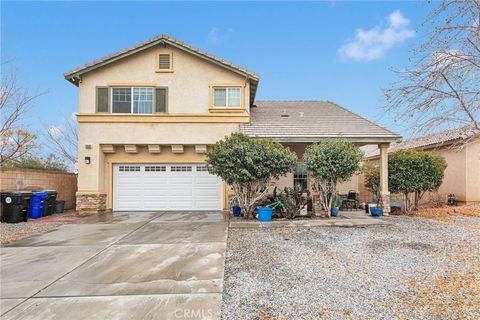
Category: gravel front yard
[16,231]
[416,268]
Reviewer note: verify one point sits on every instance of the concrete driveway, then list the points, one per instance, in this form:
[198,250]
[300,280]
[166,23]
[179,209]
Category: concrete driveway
[142,265]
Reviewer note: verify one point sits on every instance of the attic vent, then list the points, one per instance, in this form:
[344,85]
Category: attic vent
[164,61]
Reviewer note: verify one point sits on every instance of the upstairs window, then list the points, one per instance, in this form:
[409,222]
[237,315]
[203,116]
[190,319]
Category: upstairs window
[164,62]
[136,100]
[121,100]
[228,97]
[142,100]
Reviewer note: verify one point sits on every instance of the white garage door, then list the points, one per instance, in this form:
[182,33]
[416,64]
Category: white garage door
[165,187]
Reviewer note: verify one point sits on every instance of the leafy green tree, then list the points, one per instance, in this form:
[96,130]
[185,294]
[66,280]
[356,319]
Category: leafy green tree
[414,173]
[331,162]
[248,165]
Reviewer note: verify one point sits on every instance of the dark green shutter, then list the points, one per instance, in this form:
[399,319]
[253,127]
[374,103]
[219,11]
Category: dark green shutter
[102,99]
[160,99]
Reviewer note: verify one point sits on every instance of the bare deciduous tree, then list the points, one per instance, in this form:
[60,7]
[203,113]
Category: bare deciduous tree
[15,102]
[63,139]
[441,88]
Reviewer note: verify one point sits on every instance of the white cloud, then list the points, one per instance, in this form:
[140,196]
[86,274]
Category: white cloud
[217,36]
[373,43]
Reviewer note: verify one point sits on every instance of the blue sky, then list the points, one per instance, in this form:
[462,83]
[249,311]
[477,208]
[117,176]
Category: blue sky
[340,51]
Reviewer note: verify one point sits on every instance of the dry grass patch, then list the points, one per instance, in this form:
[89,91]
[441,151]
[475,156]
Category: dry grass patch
[465,210]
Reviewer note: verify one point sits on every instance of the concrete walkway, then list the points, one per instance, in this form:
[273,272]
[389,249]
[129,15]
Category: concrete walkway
[356,218]
[143,265]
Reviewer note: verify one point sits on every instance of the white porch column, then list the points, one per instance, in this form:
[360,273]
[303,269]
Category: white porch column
[384,192]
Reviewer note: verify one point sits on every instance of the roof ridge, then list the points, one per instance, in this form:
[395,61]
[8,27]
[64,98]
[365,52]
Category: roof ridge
[149,41]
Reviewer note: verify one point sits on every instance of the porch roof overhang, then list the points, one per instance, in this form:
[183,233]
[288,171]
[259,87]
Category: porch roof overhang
[359,140]
[312,121]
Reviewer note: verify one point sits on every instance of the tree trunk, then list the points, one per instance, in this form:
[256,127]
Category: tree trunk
[247,196]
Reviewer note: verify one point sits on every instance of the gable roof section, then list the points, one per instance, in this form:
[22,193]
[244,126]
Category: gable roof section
[74,75]
[441,139]
[309,121]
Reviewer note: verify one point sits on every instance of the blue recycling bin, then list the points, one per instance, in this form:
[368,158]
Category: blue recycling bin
[265,214]
[36,205]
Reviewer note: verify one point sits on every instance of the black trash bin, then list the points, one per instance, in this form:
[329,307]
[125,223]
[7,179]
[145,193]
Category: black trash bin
[49,207]
[59,206]
[15,206]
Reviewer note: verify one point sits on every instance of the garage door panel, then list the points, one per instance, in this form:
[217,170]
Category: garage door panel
[157,189]
[153,180]
[153,205]
[165,187]
[181,205]
[182,181]
[203,205]
[205,178]
[180,192]
[206,192]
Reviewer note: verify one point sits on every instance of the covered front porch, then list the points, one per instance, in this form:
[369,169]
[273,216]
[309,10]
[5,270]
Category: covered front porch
[300,179]
[298,124]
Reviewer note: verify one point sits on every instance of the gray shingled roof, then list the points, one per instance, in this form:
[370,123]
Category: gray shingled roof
[311,120]
[435,140]
[75,74]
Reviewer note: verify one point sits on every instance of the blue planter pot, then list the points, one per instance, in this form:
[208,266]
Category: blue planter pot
[376,212]
[265,214]
[237,211]
[334,211]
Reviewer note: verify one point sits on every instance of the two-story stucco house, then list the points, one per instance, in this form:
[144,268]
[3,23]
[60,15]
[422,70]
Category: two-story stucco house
[147,115]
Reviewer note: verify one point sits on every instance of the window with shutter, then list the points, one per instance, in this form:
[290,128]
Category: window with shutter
[164,62]
[160,99]
[102,99]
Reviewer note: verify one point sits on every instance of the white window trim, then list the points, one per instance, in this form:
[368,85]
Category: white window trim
[226,97]
[131,100]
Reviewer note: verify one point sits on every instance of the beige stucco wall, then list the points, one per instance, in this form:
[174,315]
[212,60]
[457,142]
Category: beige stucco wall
[462,176]
[454,180]
[188,84]
[350,185]
[287,180]
[189,94]
[92,176]
[473,171]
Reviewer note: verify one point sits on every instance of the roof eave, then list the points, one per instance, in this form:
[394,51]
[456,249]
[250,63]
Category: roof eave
[355,139]
[427,147]
[78,73]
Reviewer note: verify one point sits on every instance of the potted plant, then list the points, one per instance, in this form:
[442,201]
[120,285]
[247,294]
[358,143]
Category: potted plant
[377,211]
[335,206]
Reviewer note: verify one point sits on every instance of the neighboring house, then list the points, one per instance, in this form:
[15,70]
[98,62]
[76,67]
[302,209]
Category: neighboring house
[148,114]
[461,150]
